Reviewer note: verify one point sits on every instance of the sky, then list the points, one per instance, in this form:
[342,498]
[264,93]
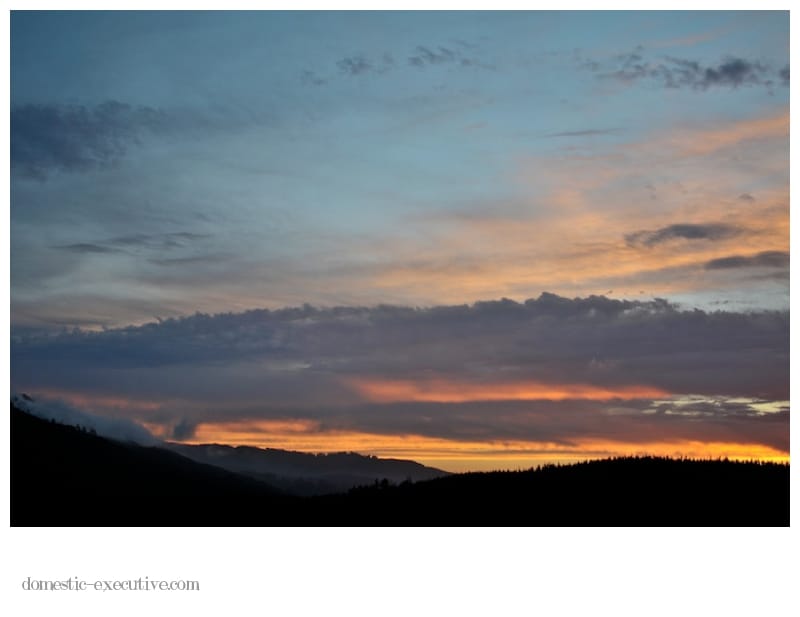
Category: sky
[477,240]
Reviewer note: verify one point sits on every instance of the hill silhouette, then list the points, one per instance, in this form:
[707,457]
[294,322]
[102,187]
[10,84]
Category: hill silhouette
[301,473]
[62,475]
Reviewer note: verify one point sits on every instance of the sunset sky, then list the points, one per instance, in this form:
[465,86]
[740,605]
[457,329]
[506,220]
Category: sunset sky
[475,240]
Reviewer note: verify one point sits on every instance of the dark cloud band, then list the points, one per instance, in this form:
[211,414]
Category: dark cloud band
[685,231]
[306,354]
[75,137]
[765,259]
[670,72]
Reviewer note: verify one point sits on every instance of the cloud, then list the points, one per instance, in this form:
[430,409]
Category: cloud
[689,41]
[214,258]
[160,241]
[457,391]
[360,64]
[302,355]
[49,137]
[580,205]
[782,276]
[157,242]
[425,56]
[686,231]
[570,423]
[310,77]
[85,247]
[354,65]
[549,370]
[765,259]
[732,72]
[120,429]
[183,430]
[421,57]
[774,127]
[76,138]
[584,133]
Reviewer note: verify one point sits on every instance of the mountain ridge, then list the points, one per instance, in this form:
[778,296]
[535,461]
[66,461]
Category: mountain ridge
[305,473]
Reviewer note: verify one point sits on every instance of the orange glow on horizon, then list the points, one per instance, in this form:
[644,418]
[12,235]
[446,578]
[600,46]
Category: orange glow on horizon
[456,455]
[448,391]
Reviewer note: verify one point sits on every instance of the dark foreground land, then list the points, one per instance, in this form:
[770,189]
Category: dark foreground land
[63,476]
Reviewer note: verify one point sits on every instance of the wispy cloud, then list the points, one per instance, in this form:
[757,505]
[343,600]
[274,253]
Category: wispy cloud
[163,240]
[685,231]
[421,57]
[214,258]
[692,39]
[152,242]
[354,65]
[585,133]
[183,430]
[710,140]
[86,247]
[765,259]
[120,429]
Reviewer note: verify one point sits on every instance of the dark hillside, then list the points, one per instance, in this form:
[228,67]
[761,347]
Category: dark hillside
[61,475]
[613,492]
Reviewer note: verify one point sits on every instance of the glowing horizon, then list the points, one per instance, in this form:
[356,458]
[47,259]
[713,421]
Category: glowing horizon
[468,456]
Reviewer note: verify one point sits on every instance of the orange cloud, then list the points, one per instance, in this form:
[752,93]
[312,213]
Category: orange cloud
[451,391]
[565,233]
[708,141]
